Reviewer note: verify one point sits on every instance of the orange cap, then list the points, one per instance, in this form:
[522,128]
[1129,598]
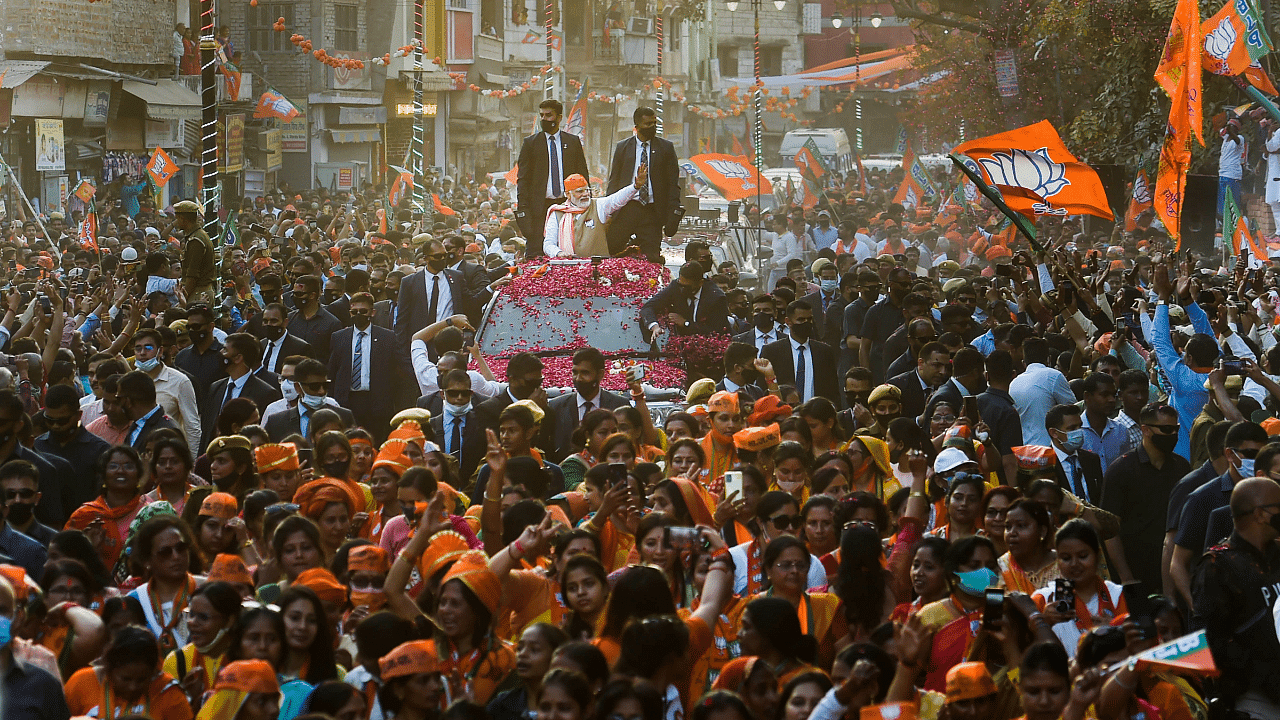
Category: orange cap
[969,680]
[324,584]
[17,578]
[408,430]
[253,676]
[734,675]
[392,457]
[723,401]
[412,658]
[1035,457]
[1272,426]
[472,569]
[368,558]
[756,439]
[220,505]
[273,456]
[766,410]
[445,547]
[998,251]
[229,568]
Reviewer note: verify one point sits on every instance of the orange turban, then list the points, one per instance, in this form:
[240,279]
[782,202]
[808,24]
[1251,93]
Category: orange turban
[220,505]
[767,409]
[273,456]
[574,182]
[324,584]
[998,251]
[445,547]
[412,658]
[408,430]
[313,497]
[17,578]
[251,676]
[368,558]
[229,568]
[723,401]
[472,569]
[969,680]
[392,457]
[733,677]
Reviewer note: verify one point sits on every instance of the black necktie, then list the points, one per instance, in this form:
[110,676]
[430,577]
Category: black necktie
[644,160]
[586,408]
[357,363]
[801,372]
[231,388]
[266,357]
[435,299]
[455,441]
[553,162]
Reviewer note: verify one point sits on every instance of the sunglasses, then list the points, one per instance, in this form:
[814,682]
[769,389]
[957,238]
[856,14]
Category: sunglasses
[278,508]
[1166,429]
[782,522]
[174,550]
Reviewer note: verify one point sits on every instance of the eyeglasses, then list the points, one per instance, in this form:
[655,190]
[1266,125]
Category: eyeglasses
[174,550]
[278,508]
[792,566]
[120,467]
[997,512]
[782,522]
[1246,453]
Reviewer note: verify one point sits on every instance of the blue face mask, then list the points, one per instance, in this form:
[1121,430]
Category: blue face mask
[6,631]
[1074,441]
[976,582]
[148,365]
[830,286]
[1246,467]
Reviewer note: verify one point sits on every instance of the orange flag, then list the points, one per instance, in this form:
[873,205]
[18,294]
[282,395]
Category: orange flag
[1139,200]
[1179,75]
[1036,173]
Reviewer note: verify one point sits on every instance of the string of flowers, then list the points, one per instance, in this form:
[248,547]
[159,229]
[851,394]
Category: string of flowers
[460,83]
[302,43]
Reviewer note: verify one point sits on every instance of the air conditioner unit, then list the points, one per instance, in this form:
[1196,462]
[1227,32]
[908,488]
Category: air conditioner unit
[640,26]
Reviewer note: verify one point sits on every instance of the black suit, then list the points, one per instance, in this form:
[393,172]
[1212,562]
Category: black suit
[341,309]
[290,345]
[474,443]
[255,388]
[415,304]
[947,393]
[749,337]
[636,223]
[532,174]
[155,422]
[1091,465]
[828,325]
[283,424]
[712,312]
[566,418]
[914,396]
[383,310]
[387,393]
[749,391]
[491,409]
[821,364]
[476,280]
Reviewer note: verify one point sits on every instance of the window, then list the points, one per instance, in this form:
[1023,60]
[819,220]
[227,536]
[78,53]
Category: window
[671,30]
[728,61]
[575,22]
[346,29]
[770,61]
[259,21]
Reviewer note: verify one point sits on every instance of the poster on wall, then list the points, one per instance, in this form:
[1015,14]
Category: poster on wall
[49,153]
[97,103]
[293,138]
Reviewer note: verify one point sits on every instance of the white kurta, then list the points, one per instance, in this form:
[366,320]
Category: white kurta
[1273,169]
[605,209]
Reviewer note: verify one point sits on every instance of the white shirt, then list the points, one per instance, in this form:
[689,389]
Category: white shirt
[1034,392]
[164,285]
[1273,167]
[90,409]
[773,335]
[1229,164]
[1067,631]
[272,351]
[582,404]
[554,148]
[641,145]
[428,375]
[177,396]
[786,249]
[806,392]
[366,352]
[445,307]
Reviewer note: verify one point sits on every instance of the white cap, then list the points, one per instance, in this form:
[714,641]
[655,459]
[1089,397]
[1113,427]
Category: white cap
[129,255]
[950,459]
[152,231]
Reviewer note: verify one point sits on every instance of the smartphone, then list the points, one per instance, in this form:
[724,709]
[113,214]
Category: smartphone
[733,483]
[637,372]
[1064,595]
[993,610]
[971,409]
[682,537]
[45,304]
[305,455]
[1230,367]
[617,473]
[900,257]
[1140,610]
[1004,270]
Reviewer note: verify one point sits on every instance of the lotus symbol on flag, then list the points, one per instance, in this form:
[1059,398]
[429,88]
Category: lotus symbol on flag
[1034,171]
[1141,190]
[729,169]
[1220,40]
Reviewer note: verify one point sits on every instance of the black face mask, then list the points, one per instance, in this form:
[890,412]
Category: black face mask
[20,513]
[750,375]
[586,390]
[763,321]
[549,126]
[272,332]
[852,399]
[199,336]
[336,469]
[801,331]
[1164,443]
[647,134]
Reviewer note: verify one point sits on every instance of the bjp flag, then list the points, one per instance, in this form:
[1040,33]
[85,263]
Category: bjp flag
[440,207]
[161,167]
[1179,75]
[733,177]
[1234,38]
[1236,222]
[1139,200]
[1036,174]
[916,184]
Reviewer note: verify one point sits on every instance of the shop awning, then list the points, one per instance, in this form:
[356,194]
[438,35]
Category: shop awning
[15,72]
[166,100]
[355,134]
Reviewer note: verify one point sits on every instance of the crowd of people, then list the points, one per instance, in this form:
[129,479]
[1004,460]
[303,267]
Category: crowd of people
[933,474]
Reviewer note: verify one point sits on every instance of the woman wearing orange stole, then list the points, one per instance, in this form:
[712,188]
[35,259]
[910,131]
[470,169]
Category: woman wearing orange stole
[820,616]
[1031,562]
[955,621]
[108,516]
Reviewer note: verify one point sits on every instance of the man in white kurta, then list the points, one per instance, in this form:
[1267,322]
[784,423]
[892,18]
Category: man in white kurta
[576,227]
[1272,129]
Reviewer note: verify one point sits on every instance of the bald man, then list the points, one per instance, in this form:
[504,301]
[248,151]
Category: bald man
[1234,590]
[30,693]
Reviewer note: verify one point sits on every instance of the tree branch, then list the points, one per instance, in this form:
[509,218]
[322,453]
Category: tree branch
[911,11]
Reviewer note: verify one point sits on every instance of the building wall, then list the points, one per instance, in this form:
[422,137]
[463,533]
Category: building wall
[126,32]
[289,70]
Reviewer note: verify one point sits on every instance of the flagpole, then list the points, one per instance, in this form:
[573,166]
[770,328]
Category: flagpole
[25,200]
[996,199]
[209,199]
